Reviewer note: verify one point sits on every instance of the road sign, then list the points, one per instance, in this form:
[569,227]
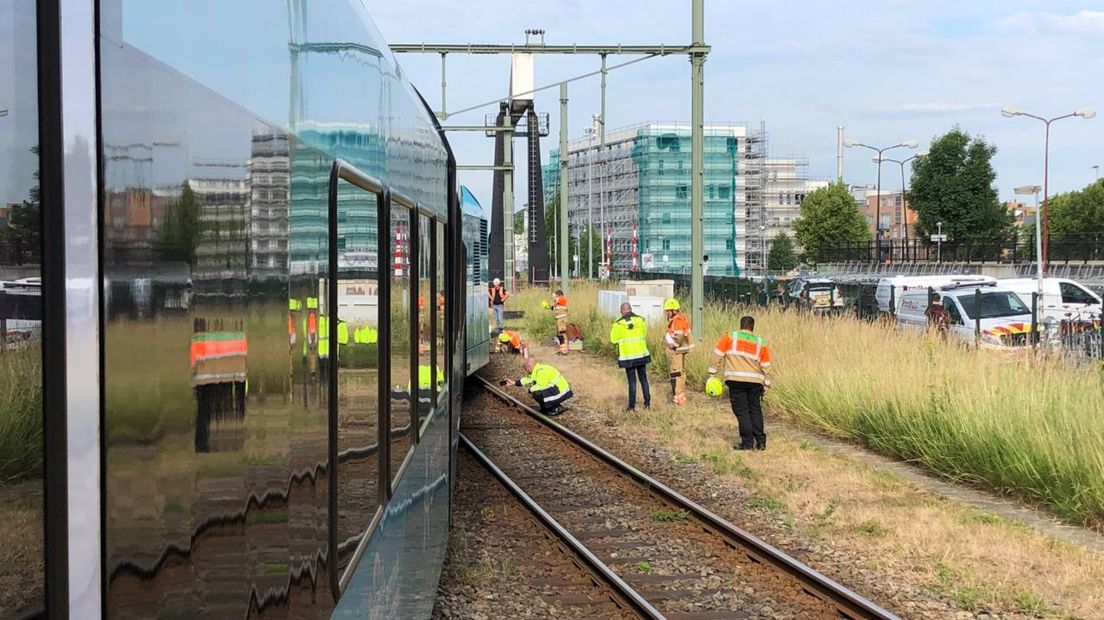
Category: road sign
[938,238]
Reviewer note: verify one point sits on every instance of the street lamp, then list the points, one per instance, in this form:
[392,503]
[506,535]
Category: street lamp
[1027,190]
[1009,112]
[851,143]
[904,202]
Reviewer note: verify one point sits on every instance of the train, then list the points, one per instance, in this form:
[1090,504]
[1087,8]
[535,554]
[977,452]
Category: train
[263,289]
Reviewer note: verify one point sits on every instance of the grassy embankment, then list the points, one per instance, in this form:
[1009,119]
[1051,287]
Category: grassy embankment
[1018,426]
[20,414]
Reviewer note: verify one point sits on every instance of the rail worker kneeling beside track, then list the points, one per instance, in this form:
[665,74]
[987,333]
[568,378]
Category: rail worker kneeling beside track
[546,385]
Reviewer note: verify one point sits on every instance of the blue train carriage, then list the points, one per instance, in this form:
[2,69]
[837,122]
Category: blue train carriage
[477,332]
[251,404]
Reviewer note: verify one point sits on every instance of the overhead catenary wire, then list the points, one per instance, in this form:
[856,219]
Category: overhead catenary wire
[555,84]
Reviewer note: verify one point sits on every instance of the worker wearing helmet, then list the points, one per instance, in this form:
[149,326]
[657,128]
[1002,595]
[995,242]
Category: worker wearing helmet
[510,341]
[546,385]
[559,310]
[745,361]
[678,345]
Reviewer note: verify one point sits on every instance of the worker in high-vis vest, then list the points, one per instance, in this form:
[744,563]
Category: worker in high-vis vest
[744,361]
[510,341]
[546,385]
[559,310]
[678,341]
[365,335]
[630,333]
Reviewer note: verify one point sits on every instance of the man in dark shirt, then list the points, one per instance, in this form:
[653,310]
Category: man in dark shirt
[938,317]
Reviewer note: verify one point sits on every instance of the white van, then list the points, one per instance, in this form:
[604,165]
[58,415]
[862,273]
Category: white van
[896,286]
[1062,299]
[1005,318]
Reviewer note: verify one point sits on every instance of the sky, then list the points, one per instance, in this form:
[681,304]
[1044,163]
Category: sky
[887,71]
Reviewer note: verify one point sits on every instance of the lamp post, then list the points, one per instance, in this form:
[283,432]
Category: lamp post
[904,201]
[1027,190]
[850,143]
[1009,112]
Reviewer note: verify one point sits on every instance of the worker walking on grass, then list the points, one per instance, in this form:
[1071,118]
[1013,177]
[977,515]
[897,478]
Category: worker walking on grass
[546,385]
[938,317]
[496,299]
[630,334]
[678,345]
[745,359]
[559,310]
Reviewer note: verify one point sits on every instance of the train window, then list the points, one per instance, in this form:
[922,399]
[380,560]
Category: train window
[22,562]
[441,378]
[401,433]
[358,424]
[426,304]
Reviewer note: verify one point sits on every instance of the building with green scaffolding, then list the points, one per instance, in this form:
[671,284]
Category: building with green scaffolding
[639,185]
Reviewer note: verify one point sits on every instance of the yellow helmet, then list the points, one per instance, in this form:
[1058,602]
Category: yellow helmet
[504,337]
[713,386]
[671,304]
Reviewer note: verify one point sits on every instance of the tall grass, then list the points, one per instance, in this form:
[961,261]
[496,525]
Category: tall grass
[20,413]
[1032,428]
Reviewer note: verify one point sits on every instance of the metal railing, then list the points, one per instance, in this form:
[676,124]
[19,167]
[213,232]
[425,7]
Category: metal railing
[1069,248]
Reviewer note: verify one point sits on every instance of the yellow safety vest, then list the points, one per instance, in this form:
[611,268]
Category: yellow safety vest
[631,337]
[543,377]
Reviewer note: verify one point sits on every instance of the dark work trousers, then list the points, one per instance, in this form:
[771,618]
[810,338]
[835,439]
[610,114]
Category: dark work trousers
[632,373]
[746,399]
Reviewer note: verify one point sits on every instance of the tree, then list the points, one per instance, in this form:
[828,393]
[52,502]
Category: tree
[1078,212]
[23,234]
[953,184]
[519,222]
[180,230]
[552,230]
[782,256]
[829,216]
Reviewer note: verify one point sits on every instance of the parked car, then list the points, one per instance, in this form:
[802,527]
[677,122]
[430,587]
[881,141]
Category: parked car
[1005,320]
[1062,299]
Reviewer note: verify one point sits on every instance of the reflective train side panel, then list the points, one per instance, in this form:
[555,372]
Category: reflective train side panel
[282,337]
[477,333]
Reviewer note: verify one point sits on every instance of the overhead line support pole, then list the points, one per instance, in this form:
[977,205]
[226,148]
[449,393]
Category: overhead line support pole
[697,161]
[563,241]
[508,202]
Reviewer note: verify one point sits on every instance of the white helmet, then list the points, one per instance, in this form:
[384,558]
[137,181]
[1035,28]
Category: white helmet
[496,281]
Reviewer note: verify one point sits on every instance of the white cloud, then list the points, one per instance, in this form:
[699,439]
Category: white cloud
[1082,22]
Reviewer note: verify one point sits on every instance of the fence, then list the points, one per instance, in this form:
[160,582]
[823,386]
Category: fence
[1071,248]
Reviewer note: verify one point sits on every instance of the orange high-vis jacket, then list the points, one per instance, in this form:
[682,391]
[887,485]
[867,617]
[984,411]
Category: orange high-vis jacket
[560,309]
[742,356]
[678,332]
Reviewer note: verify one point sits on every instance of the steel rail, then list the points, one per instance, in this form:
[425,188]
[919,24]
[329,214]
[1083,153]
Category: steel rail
[623,592]
[849,603]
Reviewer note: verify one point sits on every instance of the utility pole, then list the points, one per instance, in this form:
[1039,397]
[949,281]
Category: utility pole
[564,245]
[839,153]
[697,165]
[508,202]
[590,195]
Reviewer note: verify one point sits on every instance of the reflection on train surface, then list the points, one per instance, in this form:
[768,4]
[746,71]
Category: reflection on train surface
[284,279]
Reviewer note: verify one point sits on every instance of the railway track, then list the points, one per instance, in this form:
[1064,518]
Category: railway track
[666,556]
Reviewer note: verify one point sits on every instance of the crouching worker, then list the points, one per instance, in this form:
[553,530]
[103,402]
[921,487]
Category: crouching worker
[546,385]
[510,341]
